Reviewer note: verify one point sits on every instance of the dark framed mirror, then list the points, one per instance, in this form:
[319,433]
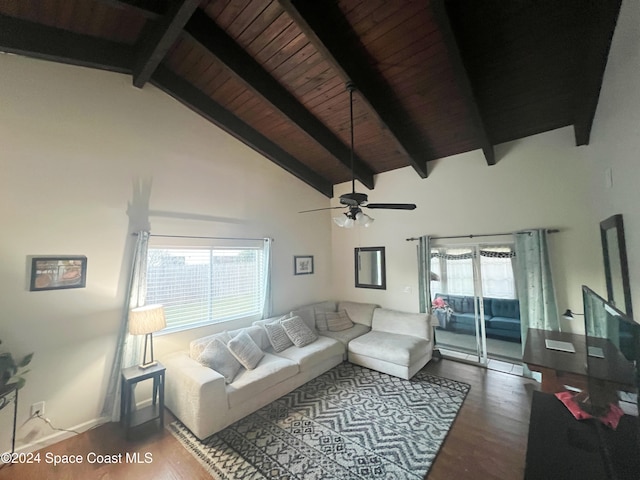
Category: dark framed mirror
[616,270]
[370,268]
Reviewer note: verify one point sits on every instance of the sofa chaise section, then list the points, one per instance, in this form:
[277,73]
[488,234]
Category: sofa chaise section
[398,344]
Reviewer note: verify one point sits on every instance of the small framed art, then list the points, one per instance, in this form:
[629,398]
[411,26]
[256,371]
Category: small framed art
[303,264]
[54,273]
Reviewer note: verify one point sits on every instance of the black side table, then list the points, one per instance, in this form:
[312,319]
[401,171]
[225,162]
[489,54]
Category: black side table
[5,399]
[130,417]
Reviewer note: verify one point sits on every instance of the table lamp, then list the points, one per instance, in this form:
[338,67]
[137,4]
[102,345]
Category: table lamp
[144,321]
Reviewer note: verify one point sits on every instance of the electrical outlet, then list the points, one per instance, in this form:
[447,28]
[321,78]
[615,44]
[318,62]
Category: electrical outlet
[37,409]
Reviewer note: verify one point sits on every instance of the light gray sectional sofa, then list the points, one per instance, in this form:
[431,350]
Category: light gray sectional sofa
[226,376]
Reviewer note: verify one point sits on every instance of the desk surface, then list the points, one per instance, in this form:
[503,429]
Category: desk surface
[536,353]
[614,367]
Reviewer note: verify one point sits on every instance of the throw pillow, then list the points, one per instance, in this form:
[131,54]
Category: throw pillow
[245,350]
[217,356]
[321,320]
[337,321]
[361,313]
[298,331]
[196,347]
[277,336]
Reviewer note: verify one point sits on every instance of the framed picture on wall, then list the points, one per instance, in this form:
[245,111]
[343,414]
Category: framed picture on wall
[303,264]
[54,273]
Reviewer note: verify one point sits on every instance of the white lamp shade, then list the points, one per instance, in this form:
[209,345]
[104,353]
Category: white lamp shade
[147,319]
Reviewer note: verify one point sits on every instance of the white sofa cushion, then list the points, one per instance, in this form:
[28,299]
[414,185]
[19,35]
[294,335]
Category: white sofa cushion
[314,353]
[392,321]
[277,336]
[248,384]
[197,346]
[361,313]
[390,347]
[306,314]
[217,356]
[319,310]
[298,332]
[245,350]
[256,332]
[338,321]
[345,336]
[327,306]
[321,320]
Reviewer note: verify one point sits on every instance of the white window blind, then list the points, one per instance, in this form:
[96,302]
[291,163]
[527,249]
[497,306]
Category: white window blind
[204,285]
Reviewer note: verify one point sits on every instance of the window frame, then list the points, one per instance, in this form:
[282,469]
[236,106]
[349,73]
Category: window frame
[200,245]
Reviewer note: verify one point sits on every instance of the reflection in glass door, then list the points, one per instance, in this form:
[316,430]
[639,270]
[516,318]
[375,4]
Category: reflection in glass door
[475,303]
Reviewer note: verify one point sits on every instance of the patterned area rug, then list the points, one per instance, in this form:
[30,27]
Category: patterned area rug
[349,423]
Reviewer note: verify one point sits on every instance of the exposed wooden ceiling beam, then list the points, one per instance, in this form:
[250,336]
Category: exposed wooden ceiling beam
[318,21]
[598,35]
[206,32]
[151,9]
[188,95]
[30,39]
[158,37]
[463,80]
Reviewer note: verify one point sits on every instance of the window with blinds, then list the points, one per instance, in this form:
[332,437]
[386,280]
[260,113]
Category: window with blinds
[200,286]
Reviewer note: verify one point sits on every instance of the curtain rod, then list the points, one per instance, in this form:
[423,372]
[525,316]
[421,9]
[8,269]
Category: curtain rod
[549,230]
[206,238]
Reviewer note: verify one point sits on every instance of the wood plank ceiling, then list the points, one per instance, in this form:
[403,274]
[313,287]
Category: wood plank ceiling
[434,78]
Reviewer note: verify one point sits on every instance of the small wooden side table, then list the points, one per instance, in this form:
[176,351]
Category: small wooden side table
[130,417]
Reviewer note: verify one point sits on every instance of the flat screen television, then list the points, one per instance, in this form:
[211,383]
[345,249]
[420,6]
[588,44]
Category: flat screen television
[613,374]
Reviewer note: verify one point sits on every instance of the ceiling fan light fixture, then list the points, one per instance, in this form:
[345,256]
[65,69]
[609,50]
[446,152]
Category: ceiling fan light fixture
[363,219]
[346,220]
[341,220]
[354,200]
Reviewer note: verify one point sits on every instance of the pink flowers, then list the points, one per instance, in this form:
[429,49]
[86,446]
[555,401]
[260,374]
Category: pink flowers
[439,303]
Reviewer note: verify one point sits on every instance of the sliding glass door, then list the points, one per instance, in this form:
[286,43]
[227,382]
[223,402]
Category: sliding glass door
[474,299]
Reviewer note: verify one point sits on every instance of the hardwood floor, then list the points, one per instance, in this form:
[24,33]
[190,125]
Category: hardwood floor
[488,439]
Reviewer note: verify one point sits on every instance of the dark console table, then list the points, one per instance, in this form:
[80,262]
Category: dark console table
[560,368]
[561,447]
[8,394]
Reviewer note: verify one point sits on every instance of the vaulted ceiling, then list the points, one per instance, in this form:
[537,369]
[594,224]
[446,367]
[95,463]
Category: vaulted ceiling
[434,78]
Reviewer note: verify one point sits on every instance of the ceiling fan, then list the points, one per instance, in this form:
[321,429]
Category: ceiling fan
[354,202]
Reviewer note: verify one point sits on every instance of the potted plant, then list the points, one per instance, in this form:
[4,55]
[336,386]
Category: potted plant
[442,311]
[11,374]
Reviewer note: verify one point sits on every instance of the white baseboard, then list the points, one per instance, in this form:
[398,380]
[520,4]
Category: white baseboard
[58,436]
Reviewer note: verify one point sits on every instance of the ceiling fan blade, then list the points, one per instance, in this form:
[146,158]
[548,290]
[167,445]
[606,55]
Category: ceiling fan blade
[392,206]
[318,209]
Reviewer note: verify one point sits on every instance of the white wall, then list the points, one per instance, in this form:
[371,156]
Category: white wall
[74,140]
[615,139]
[538,182]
